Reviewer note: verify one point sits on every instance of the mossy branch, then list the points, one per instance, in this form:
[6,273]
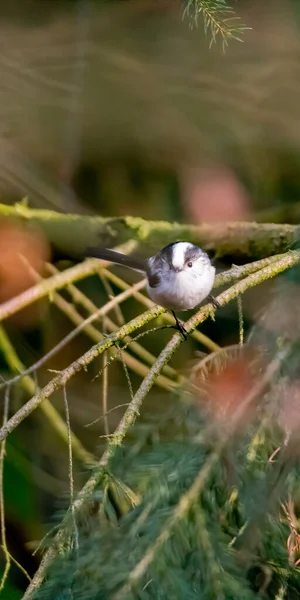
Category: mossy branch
[70,235]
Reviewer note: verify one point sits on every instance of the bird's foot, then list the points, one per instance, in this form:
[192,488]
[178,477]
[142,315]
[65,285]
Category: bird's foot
[180,327]
[214,301]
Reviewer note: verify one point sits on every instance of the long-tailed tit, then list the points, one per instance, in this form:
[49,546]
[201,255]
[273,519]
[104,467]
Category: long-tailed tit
[179,277]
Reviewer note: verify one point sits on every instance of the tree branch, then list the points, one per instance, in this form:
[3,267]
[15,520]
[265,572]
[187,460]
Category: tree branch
[70,235]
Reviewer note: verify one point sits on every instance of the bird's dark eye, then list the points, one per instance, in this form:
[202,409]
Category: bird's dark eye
[190,264]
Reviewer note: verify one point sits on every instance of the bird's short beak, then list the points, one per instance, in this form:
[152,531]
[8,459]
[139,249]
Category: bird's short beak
[177,269]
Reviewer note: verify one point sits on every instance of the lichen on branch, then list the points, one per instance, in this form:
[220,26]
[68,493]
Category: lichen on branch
[70,235]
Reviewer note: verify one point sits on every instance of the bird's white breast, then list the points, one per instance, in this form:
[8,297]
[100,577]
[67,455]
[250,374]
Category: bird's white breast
[183,290]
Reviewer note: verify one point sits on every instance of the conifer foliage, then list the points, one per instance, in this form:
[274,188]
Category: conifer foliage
[195,505]
[220,20]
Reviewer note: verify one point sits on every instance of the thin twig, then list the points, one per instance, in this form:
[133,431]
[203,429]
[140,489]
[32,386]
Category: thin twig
[2,508]
[19,566]
[71,476]
[241,320]
[108,412]
[106,284]
[68,309]
[96,336]
[63,377]
[79,297]
[29,384]
[105,391]
[120,352]
[47,286]
[162,381]
[68,338]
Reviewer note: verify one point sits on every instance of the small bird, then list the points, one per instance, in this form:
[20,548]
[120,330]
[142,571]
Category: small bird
[179,277]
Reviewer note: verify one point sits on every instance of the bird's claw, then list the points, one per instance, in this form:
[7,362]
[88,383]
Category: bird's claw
[182,330]
[180,327]
[214,301]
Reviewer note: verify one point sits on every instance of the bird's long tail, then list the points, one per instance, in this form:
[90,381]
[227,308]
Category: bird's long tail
[118,258]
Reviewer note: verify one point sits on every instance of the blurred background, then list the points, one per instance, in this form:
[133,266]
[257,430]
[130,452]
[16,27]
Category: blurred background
[123,108]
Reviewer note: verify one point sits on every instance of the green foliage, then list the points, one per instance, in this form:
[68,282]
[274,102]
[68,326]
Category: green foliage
[199,554]
[19,485]
[10,592]
[219,20]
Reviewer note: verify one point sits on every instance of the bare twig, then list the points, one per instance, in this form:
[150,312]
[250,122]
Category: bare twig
[19,566]
[118,312]
[120,352]
[47,286]
[71,477]
[63,377]
[68,338]
[105,391]
[2,508]
[31,388]
[241,320]
[80,298]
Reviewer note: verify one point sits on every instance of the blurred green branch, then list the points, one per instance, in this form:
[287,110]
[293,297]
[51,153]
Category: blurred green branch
[71,235]
[47,286]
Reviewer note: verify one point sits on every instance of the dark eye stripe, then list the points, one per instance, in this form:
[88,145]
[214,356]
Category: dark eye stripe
[189,257]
